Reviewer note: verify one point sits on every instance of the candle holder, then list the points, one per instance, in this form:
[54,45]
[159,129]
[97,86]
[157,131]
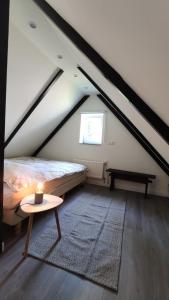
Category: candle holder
[39,193]
[38,198]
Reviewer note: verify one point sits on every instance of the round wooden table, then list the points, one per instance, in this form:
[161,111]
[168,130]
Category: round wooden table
[28,206]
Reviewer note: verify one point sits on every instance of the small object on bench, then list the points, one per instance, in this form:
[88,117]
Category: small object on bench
[130,176]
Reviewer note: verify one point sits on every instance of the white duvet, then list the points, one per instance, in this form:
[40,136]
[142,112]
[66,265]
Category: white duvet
[22,172]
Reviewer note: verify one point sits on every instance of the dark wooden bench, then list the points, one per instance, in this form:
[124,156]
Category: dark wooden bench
[130,176]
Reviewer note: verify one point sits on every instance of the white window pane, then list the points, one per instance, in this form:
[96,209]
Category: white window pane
[91,128]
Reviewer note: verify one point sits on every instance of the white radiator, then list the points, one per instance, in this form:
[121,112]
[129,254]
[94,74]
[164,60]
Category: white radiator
[95,168]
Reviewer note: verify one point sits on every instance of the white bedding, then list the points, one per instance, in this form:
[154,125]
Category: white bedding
[22,172]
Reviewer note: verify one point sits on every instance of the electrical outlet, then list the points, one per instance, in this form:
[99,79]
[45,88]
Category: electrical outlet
[112,143]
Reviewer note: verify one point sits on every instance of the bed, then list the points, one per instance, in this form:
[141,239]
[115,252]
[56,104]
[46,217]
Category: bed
[22,174]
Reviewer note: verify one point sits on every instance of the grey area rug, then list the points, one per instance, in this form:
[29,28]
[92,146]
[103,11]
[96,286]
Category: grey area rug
[91,243]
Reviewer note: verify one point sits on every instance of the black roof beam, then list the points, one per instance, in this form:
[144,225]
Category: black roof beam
[109,73]
[58,127]
[34,105]
[129,125]
[4,28]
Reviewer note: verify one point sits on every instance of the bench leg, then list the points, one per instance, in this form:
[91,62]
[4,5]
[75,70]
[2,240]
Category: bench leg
[146,190]
[112,183]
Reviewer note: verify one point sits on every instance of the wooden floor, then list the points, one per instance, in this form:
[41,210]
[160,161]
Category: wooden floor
[144,271]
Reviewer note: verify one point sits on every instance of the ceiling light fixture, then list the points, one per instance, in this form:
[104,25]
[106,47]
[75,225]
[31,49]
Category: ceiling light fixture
[32,25]
[59,56]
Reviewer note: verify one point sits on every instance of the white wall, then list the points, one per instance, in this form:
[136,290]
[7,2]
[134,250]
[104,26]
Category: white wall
[125,153]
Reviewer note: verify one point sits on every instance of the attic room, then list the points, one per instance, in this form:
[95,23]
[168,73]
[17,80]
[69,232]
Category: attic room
[84,156]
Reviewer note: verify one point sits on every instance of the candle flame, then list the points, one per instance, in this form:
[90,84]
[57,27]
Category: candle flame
[39,187]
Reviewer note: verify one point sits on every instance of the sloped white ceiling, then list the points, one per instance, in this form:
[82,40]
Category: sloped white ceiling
[53,108]
[114,29]
[104,36]
[28,72]
[132,36]
[30,67]
[47,40]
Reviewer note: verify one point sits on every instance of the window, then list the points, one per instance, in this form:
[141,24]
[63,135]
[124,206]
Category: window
[91,128]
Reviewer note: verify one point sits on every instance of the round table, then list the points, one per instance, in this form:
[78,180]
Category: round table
[28,206]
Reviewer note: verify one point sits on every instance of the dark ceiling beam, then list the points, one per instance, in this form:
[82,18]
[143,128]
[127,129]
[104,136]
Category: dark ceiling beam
[4,28]
[109,73]
[129,125]
[34,105]
[58,127]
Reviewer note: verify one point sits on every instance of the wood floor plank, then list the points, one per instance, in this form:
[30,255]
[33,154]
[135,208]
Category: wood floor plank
[144,273]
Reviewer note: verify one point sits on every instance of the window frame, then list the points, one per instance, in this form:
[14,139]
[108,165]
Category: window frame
[103,126]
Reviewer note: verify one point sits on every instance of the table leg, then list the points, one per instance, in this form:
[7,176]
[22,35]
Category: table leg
[28,235]
[57,222]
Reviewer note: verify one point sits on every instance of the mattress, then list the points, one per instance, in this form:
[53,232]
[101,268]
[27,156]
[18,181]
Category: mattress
[23,172]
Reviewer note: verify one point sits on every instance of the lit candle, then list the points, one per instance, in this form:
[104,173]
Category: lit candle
[39,188]
[39,193]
